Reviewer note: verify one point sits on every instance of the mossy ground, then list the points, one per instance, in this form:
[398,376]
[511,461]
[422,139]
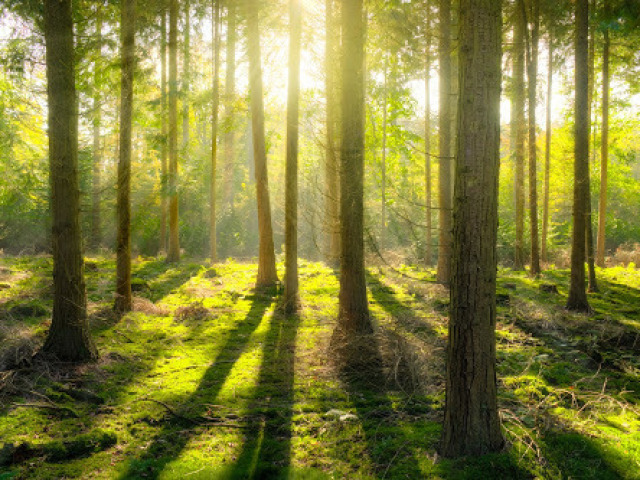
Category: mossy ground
[208,379]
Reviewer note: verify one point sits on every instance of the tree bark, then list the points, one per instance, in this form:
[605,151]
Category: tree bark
[532,69]
[472,424]
[383,163]
[173,255]
[291,300]
[186,77]
[353,316]
[520,129]
[123,301]
[428,255]
[68,338]
[229,95]
[163,131]
[97,151]
[444,172]
[267,274]
[577,294]
[604,150]
[547,154]
[332,180]
[213,250]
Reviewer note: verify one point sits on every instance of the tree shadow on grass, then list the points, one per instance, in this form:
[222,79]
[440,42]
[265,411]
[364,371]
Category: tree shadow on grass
[172,438]
[157,279]
[266,452]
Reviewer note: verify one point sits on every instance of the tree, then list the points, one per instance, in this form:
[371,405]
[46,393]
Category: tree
[577,294]
[472,424]
[444,120]
[547,152]
[123,302]
[97,151]
[229,96]
[353,316]
[332,180]
[163,128]
[291,299]
[186,74]
[68,338]
[427,138]
[519,130]
[267,274]
[173,255]
[604,149]
[213,251]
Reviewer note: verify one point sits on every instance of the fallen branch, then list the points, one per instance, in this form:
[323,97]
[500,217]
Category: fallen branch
[201,420]
[45,406]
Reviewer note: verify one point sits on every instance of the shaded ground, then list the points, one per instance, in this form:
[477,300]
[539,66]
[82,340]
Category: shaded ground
[208,379]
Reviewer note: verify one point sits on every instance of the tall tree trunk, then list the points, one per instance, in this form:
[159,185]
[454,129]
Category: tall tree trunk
[444,172]
[332,181]
[97,152]
[383,163]
[186,77]
[353,316]
[519,129]
[532,69]
[123,302]
[547,153]
[577,294]
[428,255]
[163,131]
[472,424]
[173,255]
[68,338]
[604,149]
[213,251]
[267,274]
[291,300]
[229,95]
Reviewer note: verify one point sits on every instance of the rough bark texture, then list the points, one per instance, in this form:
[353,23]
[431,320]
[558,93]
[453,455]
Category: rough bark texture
[547,154]
[353,316]
[123,301]
[68,338]
[163,131]
[520,129]
[229,96]
[444,172]
[213,250]
[472,424]
[97,151]
[532,68]
[332,169]
[577,293]
[428,251]
[604,151]
[267,274]
[173,255]
[291,300]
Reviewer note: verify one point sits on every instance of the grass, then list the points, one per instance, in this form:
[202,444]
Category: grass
[208,379]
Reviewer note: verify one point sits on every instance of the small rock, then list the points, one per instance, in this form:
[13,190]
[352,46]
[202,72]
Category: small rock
[549,288]
[340,415]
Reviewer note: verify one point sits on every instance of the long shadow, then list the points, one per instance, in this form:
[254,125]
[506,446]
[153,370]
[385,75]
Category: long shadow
[162,278]
[266,452]
[172,438]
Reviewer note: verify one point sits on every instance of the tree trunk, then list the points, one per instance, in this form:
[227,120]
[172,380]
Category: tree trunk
[291,300]
[604,150]
[68,338]
[547,154]
[383,163]
[428,255]
[520,129]
[444,173]
[332,181]
[229,95]
[186,74]
[577,294]
[97,152]
[472,424]
[267,274]
[353,316]
[123,302]
[173,255]
[532,68]
[213,251]
[163,134]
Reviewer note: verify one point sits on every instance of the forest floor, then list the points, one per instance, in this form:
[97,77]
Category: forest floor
[208,379]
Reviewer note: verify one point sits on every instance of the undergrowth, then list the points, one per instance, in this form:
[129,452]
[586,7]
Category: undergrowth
[207,378]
